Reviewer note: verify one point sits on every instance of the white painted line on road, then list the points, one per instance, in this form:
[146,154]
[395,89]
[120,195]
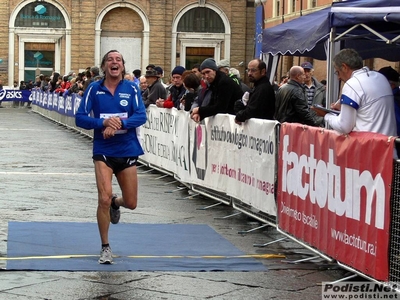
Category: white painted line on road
[47,173]
[56,174]
[27,129]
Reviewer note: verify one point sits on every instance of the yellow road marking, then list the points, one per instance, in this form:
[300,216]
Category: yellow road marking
[265,256]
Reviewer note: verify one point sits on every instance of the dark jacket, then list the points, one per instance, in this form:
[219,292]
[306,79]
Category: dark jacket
[261,104]
[224,93]
[291,105]
[155,91]
[319,98]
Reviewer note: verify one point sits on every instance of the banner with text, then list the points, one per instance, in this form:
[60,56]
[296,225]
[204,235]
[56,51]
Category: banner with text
[335,195]
[239,160]
[165,140]
[15,95]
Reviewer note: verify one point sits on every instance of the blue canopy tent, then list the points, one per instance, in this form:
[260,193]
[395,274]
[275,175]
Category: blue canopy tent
[372,27]
[304,36]
[360,24]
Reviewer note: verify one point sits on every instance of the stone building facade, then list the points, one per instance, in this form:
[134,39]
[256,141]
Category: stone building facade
[42,36]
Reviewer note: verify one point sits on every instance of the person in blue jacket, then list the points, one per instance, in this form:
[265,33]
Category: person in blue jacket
[114,109]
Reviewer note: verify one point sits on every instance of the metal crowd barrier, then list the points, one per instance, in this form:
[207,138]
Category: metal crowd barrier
[394,247]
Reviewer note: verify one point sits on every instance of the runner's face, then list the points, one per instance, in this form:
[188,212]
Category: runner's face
[114,65]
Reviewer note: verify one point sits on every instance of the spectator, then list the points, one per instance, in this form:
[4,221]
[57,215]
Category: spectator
[22,85]
[224,66]
[177,90]
[196,70]
[150,67]
[235,75]
[160,72]
[15,87]
[136,75]
[291,103]
[64,85]
[315,91]
[94,71]
[30,85]
[76,85]
[366,103]
[224,92]
[54,81]
[261,101]
[155,88]
[87,79]
[191,82]
[393,77]
[143,84]
[284,79]
[46,84]
[129,77]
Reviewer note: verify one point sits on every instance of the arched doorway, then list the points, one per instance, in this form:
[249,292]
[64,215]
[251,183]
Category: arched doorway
[131,39]
[199,32]
[39,28]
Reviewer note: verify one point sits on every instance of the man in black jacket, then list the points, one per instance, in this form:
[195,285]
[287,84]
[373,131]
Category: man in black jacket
[261,101]
[291,103]
[224,92]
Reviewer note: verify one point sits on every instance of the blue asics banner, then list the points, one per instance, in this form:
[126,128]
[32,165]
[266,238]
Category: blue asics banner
[15,95]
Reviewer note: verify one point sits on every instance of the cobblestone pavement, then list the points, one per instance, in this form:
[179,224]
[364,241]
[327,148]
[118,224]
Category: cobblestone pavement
[46,174]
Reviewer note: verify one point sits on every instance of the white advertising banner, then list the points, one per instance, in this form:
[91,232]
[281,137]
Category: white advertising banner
[239,160]
[254,161]
[218,154]
[209,153]
[165,140]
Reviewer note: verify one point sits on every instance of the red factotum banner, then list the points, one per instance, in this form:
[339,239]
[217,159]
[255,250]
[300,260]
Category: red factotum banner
[334,194]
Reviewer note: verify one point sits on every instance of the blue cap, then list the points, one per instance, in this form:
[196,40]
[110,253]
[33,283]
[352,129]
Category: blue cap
[307,65]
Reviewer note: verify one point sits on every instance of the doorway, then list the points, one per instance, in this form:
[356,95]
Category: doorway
[196,55]
[38,59]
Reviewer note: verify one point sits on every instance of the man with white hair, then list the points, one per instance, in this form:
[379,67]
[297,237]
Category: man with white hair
[366,103]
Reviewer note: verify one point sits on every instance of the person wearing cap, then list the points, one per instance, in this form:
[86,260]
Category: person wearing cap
[160,72]
[224,92]
[261,100]
[290,100]
[393,77]
[315,91]
[366,102]
[155,89]
[235,75]
[150,67]
[176,91]
[224,66]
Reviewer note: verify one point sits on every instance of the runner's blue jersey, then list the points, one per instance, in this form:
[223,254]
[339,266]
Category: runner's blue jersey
[98,104]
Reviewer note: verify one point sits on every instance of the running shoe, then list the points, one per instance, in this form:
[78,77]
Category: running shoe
[115,214]
[106,256]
